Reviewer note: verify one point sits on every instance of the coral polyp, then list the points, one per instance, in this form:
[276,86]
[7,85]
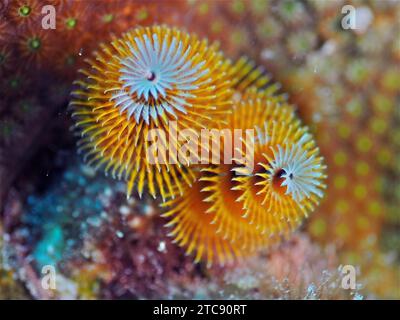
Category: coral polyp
[142,81]
[24,11]
[34,47]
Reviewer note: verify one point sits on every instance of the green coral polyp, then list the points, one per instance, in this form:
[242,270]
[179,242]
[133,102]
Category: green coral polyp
[34,44]
[71,23]
[24,11]
[107,18]
[142,15]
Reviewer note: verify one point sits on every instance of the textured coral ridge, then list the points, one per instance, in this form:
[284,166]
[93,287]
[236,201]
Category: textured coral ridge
[143,80]
[232,212]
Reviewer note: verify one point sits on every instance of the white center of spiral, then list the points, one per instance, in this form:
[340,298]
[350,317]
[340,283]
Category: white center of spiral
[301,173]
[158,76]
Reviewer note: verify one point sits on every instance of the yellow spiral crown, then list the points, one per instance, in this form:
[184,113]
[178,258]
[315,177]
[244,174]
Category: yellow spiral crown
[142,81]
